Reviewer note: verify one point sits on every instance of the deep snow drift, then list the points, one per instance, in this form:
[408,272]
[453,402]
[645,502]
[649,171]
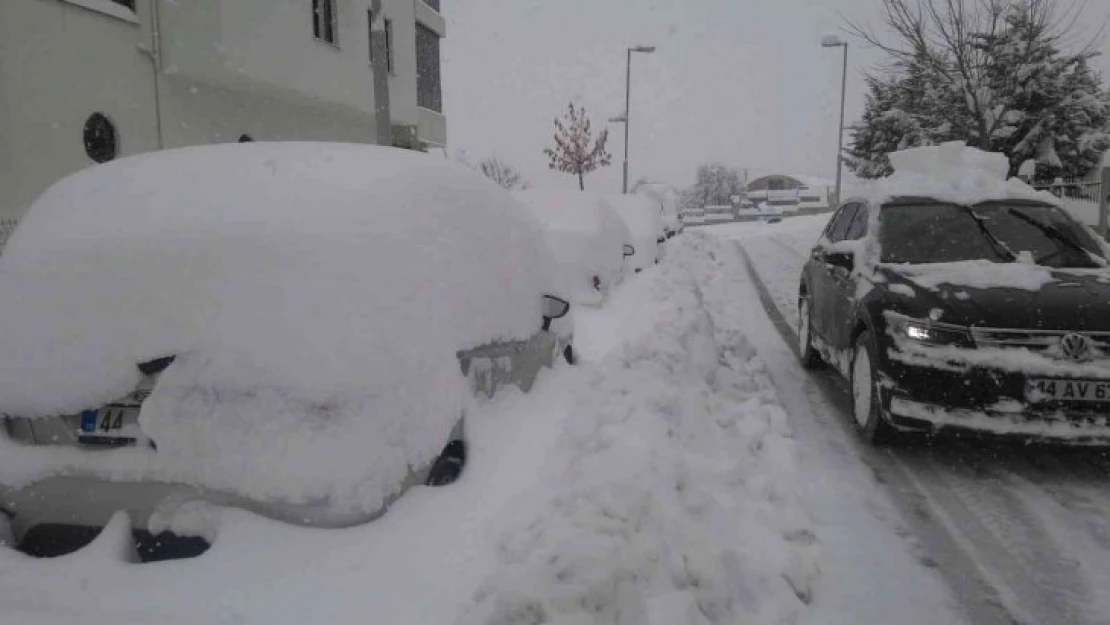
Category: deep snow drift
[313,293]
[674,496]
[657,484]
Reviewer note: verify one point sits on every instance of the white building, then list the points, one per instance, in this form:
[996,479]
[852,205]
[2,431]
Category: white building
[86,81]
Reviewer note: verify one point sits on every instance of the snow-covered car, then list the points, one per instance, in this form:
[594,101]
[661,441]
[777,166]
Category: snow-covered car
[952,298]
[588,238]
[667,198]
[294,329]
[642,217]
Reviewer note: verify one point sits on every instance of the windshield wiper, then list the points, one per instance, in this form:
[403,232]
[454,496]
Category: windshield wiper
[1053,233]
[998,245]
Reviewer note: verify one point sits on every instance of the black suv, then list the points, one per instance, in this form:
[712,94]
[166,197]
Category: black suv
[992,317]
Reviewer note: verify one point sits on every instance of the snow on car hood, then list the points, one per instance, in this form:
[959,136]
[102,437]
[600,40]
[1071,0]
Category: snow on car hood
[315,295]
[979,274]
[1008,295]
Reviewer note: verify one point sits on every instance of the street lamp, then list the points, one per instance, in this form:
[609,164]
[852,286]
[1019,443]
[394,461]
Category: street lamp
[627,104]
[832,41]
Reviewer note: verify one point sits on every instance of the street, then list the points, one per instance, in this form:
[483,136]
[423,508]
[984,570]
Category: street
[1020,533]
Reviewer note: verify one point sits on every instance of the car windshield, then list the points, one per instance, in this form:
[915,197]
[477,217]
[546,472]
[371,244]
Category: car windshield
[917,233]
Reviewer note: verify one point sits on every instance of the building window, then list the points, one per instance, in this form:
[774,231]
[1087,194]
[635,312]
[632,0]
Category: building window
[323,21]
[429,95]
[101,142]
[126,3]
[432,3]
[389,45]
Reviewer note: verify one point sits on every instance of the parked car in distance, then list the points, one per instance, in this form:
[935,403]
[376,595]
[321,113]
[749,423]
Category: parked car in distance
[588,239]
[980,308]
[295,329]
[644,221]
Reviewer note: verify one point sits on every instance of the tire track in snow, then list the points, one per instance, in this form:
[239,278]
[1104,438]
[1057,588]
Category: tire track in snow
[980,502]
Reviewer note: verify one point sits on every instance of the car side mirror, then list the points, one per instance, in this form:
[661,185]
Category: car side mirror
[628,250]
[553,308]
[844,260]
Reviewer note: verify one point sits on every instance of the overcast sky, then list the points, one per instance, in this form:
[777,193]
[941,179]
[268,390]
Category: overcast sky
[741,81]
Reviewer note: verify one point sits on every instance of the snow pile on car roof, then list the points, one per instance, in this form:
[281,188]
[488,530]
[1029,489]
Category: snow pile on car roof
[953,172]
[315,296]
[644,221]
[673,496]
[586,236]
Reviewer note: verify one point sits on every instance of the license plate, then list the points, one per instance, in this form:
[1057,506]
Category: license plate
[1067,390]
[113,422]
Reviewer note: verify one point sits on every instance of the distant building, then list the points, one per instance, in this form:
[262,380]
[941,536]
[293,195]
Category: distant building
[790,193]
[87,81]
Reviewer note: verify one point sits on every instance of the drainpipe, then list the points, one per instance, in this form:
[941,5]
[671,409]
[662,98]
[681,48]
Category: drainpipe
[154,52]
[383,122]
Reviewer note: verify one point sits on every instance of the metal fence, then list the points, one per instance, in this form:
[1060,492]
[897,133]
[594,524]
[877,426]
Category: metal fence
[1085,199]
[1079,190]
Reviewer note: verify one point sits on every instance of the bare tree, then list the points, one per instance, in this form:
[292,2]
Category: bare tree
[957,40]
[576,152]
[502,173]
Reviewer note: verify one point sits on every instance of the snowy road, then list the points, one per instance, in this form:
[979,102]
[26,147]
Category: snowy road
[1021,534]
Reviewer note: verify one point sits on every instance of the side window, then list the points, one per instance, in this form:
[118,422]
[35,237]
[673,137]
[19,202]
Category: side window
[833,221]
[858,228]
[838,229]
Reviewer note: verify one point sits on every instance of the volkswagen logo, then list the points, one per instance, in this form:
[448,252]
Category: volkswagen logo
[1076,346]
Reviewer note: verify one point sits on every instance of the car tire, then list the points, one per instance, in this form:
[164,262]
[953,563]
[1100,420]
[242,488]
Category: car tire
[449,465]
[867,409]
[807,353]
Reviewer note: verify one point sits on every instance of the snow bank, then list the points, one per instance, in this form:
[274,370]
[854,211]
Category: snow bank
[671,498]
[586,237]
[315,295]
[952,172]
[644,222]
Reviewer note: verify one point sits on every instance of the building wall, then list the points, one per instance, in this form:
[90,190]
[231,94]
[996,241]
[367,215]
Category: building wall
[58,64]
[229,67]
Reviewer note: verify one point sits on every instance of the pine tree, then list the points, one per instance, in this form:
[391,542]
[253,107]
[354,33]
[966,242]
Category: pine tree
[576,152]
[996,80]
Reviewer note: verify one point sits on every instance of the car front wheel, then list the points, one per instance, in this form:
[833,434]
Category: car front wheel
[866,403]
[806,352]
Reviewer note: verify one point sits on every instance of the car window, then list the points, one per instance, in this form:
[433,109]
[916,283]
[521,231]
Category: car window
[857,229]
[833,221]
[995,231]
[839,228]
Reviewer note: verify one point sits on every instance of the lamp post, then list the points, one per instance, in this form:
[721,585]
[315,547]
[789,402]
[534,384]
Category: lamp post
[833,41]
[627,104]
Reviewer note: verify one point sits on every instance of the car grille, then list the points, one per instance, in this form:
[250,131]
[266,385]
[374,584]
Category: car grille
[1036,340]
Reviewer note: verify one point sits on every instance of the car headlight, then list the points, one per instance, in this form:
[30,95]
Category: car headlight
[929,332]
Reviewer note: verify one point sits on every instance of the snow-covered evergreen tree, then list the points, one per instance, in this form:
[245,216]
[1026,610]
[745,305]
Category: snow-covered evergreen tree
[996,80]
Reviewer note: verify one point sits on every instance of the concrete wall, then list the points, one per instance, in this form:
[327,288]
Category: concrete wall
[229,67]
[58,64]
